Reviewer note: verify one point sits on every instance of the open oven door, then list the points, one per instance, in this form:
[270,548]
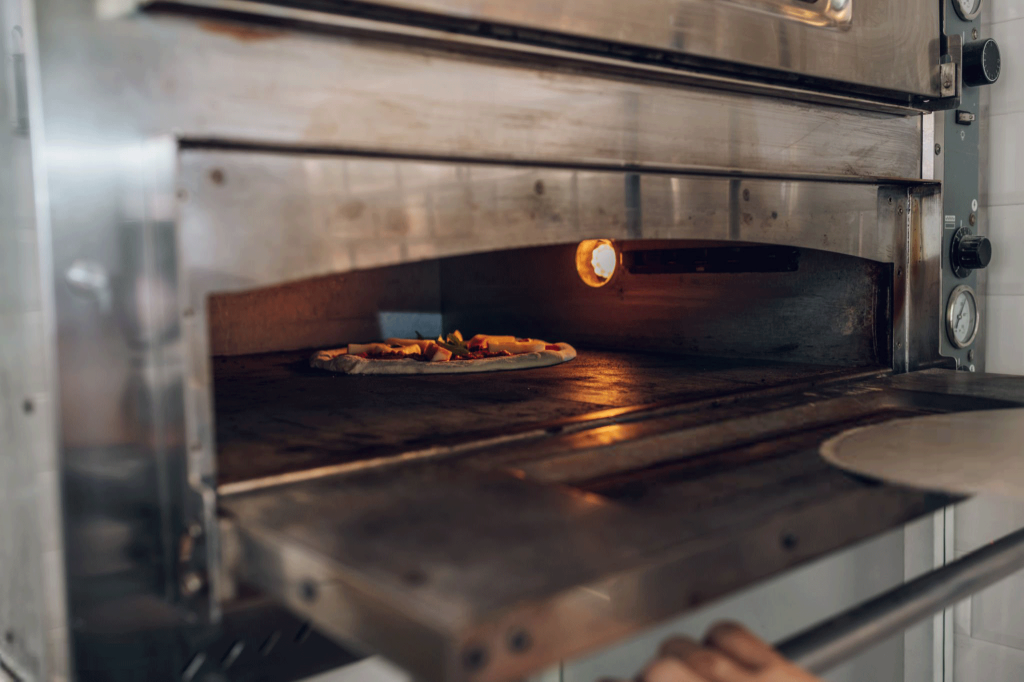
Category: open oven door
[491,557]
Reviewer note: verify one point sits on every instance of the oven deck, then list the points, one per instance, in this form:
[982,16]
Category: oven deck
[564,507]
[276,415]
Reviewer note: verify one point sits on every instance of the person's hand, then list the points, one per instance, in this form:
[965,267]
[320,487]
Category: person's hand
[730,653]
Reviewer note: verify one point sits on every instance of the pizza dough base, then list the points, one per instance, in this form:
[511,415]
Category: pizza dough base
[964,453]
[350,364]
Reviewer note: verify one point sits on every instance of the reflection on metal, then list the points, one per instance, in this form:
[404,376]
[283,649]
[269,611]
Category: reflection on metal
[824,646]
[831,13]
[891,46]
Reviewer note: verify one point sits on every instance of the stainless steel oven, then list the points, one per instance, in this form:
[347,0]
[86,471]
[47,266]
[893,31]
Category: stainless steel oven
[200,192]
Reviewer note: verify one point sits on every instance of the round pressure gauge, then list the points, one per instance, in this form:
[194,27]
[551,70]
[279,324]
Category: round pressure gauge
[962,316]
[967,9]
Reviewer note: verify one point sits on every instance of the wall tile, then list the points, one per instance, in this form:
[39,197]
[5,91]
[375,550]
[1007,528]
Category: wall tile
[996,11]
[1005,227]
[1006,95]
[982,519]
[992,620]
[1003,334]
[1005,155]
[979,661]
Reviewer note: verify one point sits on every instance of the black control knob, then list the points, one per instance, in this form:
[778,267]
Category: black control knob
[974,252]
[981,62]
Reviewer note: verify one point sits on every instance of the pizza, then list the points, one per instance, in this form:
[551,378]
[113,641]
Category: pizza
[449,355]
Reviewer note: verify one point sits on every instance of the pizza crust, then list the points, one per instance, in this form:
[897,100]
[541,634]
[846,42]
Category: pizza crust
[336,361]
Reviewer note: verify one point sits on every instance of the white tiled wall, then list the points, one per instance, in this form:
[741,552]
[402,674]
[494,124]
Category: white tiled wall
[989,627]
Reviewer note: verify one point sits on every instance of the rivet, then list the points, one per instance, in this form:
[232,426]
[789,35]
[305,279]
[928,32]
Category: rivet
[519,641]
[191,583]
[972,219]
[974,34]
[970,355]
[475,658]
[309,590]
[938,149]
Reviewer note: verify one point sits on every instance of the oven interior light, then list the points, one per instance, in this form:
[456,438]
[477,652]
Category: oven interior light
[596,261]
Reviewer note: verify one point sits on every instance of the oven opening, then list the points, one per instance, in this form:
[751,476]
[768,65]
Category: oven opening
[656,324]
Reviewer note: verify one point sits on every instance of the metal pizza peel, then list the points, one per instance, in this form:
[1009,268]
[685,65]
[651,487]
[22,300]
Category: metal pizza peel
[964,453]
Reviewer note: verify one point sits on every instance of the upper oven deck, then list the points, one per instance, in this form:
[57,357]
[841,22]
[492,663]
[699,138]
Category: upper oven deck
[876,48]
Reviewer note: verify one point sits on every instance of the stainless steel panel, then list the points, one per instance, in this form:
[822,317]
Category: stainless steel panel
[250,220]
[207,79]
[33,632]
[871,43]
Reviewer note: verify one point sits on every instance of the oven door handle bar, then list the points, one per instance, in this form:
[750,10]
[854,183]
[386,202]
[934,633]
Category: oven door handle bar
[826,645]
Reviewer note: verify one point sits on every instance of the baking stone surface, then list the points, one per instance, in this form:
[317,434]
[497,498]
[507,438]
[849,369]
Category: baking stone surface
[964,453]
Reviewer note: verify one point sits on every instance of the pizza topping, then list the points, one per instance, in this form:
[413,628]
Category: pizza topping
[483,341]
[449,348]
[421,344]
[436,353]
[517,347]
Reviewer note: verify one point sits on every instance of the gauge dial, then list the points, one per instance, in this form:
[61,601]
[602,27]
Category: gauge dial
[967,9]
[962,317]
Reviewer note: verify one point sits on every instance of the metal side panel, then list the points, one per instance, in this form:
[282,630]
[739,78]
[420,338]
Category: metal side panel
[493,563]
[868,43]
[33,626]
[208,79]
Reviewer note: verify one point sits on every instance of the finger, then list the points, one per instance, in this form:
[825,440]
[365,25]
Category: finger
[669,670]
[679,647]
[710,664]
[741,645]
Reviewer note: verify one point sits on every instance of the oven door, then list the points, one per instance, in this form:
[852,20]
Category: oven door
[489,559]
[874,47]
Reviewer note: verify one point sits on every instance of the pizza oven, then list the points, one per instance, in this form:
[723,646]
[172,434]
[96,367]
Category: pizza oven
[751,218]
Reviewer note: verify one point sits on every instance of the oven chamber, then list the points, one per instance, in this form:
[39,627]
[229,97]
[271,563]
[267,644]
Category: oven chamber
[260,179]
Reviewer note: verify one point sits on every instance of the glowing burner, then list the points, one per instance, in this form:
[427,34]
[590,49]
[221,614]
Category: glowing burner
[596,261]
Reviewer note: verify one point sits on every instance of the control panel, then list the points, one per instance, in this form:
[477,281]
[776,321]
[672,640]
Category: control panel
[964,250]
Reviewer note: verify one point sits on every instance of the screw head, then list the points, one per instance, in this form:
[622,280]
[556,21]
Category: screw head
[974,34]
[191,583]
[970,355]
[973,219]
[938,149]
[474,658]
[519,641]
[309,590]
